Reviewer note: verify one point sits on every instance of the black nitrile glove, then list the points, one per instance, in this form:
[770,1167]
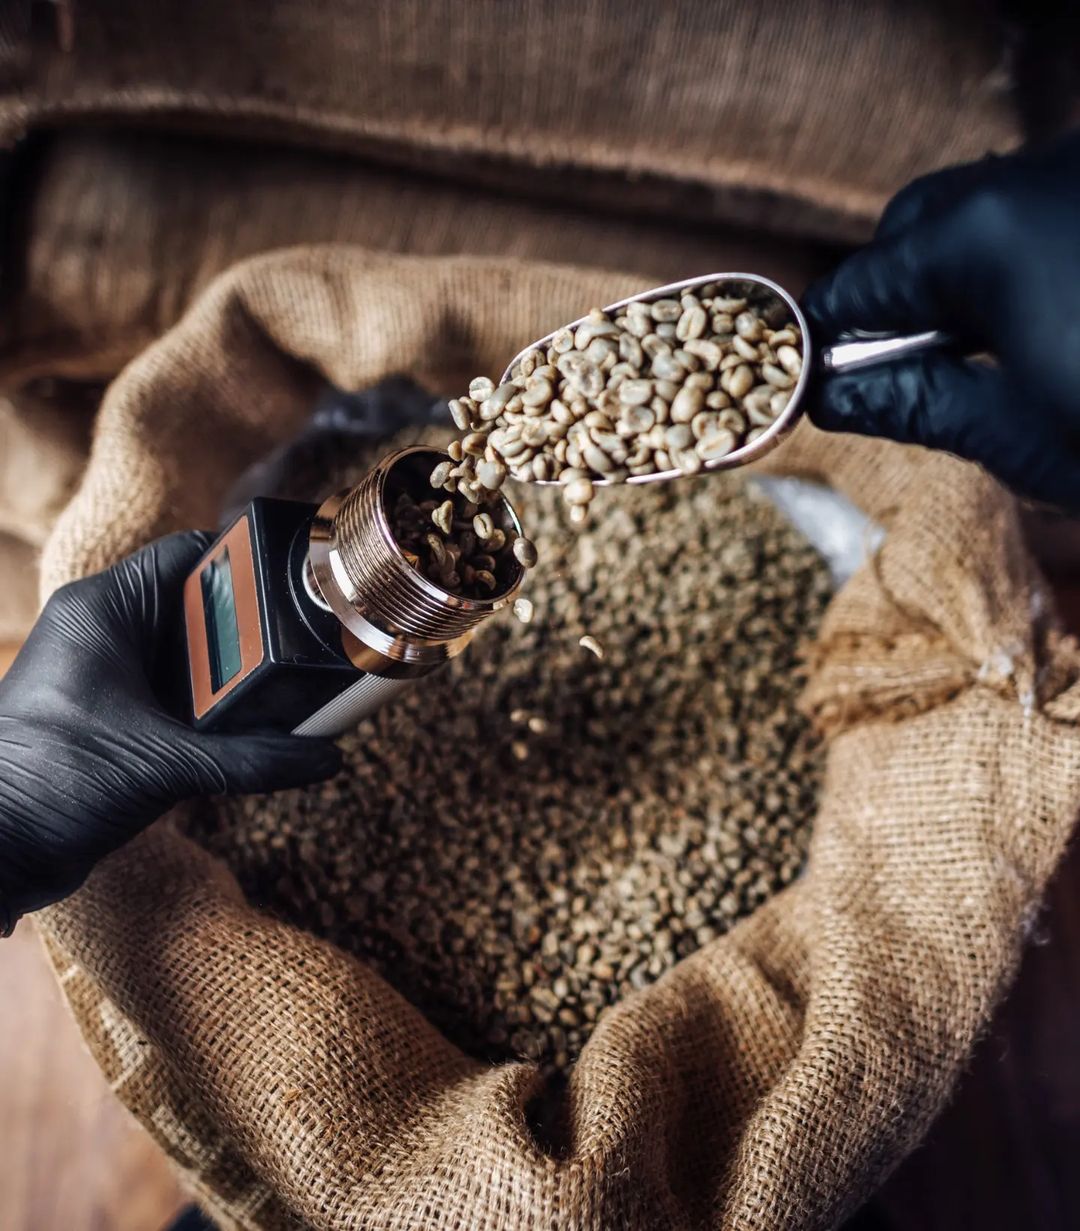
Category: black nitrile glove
[989,253]
[88,757]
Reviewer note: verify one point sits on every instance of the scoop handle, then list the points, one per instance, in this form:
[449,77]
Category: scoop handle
[862,351]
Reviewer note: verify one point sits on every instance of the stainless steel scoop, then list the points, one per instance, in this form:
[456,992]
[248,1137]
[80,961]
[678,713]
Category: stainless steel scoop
[770,300]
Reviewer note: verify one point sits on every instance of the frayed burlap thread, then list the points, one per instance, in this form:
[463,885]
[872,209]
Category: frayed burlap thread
[771,1079]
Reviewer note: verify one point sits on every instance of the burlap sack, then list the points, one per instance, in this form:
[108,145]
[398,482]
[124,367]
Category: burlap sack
[120,232]
[42,453]
[19,593]
[803,115]
[768,1081]
[577,128]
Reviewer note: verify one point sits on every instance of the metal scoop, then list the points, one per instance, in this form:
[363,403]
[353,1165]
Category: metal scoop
[777,306]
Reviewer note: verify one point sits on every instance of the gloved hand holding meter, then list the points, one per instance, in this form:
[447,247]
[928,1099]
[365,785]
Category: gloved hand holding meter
[295,619]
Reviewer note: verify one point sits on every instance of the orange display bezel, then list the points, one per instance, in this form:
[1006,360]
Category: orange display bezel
[237,542]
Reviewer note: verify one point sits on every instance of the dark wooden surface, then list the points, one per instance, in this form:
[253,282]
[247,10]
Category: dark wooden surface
[1004,1155]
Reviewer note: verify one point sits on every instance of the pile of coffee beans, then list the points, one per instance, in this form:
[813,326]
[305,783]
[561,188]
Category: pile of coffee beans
[554,819]
[668,385]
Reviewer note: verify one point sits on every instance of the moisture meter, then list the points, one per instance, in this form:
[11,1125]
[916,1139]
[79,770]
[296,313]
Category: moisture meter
[305,618]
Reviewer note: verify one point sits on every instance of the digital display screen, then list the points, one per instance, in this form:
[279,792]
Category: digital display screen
[222,629]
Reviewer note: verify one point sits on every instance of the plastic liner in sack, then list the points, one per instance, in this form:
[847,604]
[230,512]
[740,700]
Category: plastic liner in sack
[771,1078]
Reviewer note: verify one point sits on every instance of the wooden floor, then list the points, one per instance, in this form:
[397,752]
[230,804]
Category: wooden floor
[1003,1156]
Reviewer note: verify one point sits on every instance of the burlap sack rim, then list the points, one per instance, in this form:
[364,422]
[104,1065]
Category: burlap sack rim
[958,487]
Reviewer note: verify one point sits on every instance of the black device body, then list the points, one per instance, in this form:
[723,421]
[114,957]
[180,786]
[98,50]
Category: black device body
[293,662]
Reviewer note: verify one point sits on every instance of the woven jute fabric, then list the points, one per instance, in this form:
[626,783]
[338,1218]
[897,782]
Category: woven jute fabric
[806,113]
[42,453]
[170,139]
[770,1079]
[19,594]
[121,231]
